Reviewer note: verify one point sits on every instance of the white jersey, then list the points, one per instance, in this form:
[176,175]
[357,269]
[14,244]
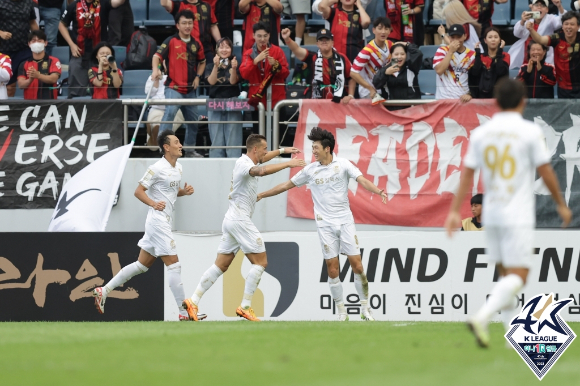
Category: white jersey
[453,83]
[243,191]
[162,183]
[508,149]
[329,186]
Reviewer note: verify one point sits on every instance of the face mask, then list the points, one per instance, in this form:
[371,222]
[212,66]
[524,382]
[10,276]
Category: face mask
[37,47]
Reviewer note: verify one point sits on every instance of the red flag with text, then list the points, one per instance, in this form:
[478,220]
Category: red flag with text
[414,154]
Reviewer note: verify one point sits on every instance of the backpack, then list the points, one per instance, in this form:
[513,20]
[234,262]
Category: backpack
[140,51]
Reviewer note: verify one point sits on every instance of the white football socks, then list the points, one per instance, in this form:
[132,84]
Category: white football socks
[298,41]
[207,279]
[252,281]
[501,296]
[336,293]
[361,284]
[124,275]
[508,313]
[176,285]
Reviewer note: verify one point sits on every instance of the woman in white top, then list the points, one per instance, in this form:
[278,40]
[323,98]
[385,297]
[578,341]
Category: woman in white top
[455,13]
[155,114]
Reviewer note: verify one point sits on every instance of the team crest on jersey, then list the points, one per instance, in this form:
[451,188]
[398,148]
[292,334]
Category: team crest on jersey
[318,217]
[336,169]
[539,334]
[203,8]
[266,11]
[355,17]
[58,64]
[45,65]
[259,241]
[193,48]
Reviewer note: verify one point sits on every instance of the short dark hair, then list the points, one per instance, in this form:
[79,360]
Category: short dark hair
[325,138]
[226,40]
[186,13]
[569,15]
[540,44]
[403,46]
[385,21]
[489,29]
[37,33]
[96,51]
[253,140]
[477,199]
[163,139]
[509,93]
[261,25]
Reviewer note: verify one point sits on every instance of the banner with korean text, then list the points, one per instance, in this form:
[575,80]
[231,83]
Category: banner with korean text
[415,154]
[44,143]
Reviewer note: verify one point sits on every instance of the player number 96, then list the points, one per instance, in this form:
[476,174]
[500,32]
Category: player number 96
[503,164]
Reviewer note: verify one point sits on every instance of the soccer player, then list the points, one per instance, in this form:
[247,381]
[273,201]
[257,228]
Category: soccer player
[162,181]
[328,180]
[508,150]
[238,230]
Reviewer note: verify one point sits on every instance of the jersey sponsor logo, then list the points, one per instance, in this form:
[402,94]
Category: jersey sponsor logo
[259,241]
[539,334]
[58,65]
[172,244]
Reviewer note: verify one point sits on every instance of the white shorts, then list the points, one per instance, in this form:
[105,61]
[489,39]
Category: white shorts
[296,7]
[156,115]
[240,235]
[158,239]
[338,239]
[510,247]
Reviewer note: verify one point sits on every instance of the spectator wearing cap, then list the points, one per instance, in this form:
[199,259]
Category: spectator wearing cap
[489,66]
[545,24]
[5,74]
[474,223]
[566,45]
[38,77]
[401,76]
[329,70]
[539,76]
[17,19]
[455,13]
[482,10]
[452,63]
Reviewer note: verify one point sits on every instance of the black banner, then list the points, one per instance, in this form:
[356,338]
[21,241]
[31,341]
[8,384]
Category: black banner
[44,143]
[560,121]
[50,277]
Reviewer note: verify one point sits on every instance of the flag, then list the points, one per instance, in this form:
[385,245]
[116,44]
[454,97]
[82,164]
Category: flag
[86,200]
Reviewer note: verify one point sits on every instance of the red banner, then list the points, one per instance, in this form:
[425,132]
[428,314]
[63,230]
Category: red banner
[414,154]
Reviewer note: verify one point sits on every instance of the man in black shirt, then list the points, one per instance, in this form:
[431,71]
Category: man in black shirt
[17,19]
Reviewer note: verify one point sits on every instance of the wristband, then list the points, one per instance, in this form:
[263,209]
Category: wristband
[281,151]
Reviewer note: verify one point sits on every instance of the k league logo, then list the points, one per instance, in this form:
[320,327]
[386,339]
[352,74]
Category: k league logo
[539,334]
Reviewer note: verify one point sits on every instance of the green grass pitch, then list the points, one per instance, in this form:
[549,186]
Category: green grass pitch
[266,353]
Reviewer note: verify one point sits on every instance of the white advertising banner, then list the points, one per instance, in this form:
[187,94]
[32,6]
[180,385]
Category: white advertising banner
[419,276]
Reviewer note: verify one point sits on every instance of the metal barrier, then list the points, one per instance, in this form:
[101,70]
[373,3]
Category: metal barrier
[195,102]
[286,102]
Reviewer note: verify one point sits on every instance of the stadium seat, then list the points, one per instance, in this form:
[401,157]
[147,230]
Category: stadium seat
[62,53]
[427,83]
[287,52]
[436,22]
[428,51]
[426,12]
[315,20]
[134,83]
[238,53]
[139,8]
[120,54]
[501,15]
[514,73]
[158,16]
[520,6]
[506,48]
[238,22]
[64,88]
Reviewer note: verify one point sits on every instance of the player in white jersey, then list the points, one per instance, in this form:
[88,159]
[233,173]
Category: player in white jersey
[239,232]
[328,181]
[508,150]
[158,189]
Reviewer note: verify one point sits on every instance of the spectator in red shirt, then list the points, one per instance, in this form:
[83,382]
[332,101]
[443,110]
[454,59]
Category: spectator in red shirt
[482,10]
[490,66]
[402,16]
[260,11]
[205,25]
[38,77]
[333,70]
[566,45]
[105,77]
[185,60]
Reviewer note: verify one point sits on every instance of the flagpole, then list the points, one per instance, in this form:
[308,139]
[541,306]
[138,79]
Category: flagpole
[141,115]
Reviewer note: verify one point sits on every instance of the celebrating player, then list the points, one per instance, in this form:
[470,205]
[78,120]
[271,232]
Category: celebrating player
[508,150]
[239,232]
[162,180]
[328,180]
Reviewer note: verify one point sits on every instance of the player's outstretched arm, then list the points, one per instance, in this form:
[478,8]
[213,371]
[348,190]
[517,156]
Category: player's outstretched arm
[453,221]
[187,190]
[551,181]
[280,188]
[275,153]
[264,170]
[372,188]
[144,198]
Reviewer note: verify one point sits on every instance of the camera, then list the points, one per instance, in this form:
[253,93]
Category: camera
[111,58]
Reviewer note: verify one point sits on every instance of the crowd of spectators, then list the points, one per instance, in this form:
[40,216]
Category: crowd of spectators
[350,62]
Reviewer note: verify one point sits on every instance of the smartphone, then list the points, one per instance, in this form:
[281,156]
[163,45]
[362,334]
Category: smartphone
[534,14]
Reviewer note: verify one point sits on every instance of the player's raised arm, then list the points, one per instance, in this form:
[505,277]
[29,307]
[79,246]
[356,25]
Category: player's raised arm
[280,188]
[551,181]
[264,170]
[372,188]
[453,221]
[275,153]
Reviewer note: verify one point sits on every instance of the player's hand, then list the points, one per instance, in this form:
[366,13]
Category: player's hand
[346,99]
[286,33]
[530,66]
[195,83]
[272,61]
[465,98]
[261,56]
[159,205]
[454,46]
[259,197]
[187,189]
[441,30]
[234,63]
[452,223]
[291,150]
[5,35]
[383,196]
[75,50]
[296,162]
[565,213]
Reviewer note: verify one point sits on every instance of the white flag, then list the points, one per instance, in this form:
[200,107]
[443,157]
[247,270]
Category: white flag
[86,200]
